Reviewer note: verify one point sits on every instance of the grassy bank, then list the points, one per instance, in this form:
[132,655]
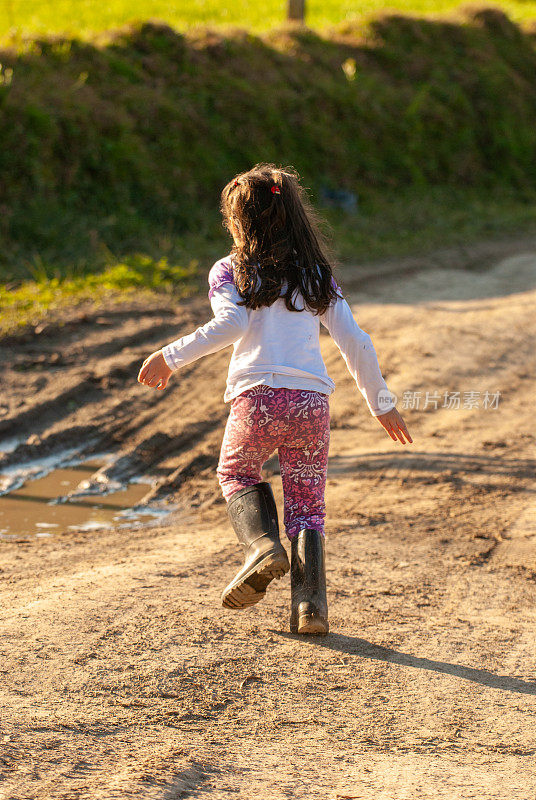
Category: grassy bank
[115,148]
[122,145]
[78,17]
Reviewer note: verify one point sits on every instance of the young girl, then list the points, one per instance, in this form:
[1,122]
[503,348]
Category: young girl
[269,297]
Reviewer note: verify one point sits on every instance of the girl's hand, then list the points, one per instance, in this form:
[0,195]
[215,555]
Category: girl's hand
[154,371]
[395,426]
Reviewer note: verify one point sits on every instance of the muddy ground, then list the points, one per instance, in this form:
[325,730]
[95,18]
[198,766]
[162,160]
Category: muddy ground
[123,677]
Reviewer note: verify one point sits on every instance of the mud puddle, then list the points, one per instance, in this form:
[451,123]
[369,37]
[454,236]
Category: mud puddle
[41,506]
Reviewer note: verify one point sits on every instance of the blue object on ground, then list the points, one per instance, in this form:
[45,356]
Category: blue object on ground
[338,198]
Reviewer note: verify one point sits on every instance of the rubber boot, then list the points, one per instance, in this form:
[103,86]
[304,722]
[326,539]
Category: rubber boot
[309,606]
[253,514]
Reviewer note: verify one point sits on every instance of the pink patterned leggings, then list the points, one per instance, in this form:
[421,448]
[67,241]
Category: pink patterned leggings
[296,422]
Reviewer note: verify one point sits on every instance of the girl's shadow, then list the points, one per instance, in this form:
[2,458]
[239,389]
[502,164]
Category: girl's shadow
[360,648]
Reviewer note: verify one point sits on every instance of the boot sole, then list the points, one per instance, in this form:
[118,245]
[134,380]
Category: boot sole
[252,587]
[311,625]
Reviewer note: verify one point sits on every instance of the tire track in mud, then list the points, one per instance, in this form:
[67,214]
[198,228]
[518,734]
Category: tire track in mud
[69,321]
[143,332]
[90,400]
[40,416]
[86,385]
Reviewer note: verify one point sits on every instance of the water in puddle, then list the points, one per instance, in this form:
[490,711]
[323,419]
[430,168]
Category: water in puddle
[30,509]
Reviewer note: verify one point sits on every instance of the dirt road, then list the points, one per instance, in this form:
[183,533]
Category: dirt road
[122,676]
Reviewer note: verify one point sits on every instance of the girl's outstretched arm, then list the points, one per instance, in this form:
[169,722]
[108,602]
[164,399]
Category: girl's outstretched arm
[359,354]
[226,327]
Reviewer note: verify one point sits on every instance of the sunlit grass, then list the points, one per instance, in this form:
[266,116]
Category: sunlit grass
[29,302]
[83,17]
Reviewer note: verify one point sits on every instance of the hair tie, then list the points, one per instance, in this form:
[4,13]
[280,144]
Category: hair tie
[276,189]
[235,183]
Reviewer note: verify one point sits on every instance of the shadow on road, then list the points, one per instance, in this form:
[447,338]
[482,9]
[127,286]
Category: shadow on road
[433,463]
[354,646]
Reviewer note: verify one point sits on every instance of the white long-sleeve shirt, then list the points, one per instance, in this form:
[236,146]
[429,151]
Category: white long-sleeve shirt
[278,347]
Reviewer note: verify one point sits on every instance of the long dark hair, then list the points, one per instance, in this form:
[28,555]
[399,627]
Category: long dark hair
[277,238]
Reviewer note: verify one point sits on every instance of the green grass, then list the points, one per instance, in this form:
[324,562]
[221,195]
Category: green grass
[385,226]
[82,17]
[28,303]
[121,147]
[114,150]
[410,222]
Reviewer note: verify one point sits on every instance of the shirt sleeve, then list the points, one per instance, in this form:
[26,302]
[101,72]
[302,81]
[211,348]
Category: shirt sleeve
[359,354]
[221,272]
[226,327]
